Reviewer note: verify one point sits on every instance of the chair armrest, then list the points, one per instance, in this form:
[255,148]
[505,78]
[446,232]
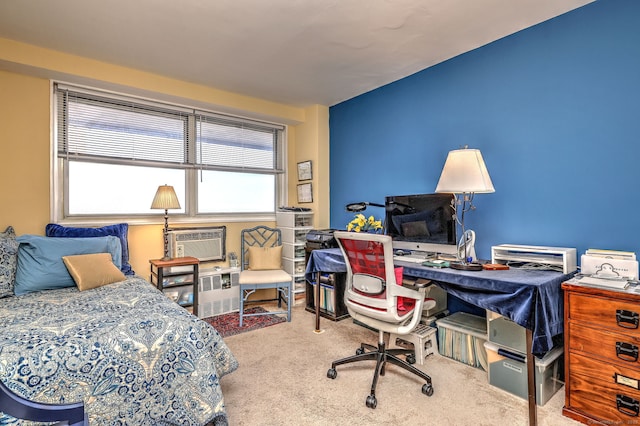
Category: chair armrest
[415,283]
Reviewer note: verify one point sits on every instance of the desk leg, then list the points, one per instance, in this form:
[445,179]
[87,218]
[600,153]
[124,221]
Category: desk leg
[531,380]
[317,303]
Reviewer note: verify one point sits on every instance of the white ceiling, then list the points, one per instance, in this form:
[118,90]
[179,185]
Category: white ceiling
[297,52]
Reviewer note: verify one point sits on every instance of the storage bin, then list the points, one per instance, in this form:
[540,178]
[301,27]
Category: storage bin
[461,336]
[510,374]
[440,296]
[504,332]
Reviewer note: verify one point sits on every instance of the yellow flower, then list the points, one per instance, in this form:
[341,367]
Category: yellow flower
[361,223]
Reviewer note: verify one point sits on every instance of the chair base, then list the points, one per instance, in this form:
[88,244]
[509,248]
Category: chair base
[381,355]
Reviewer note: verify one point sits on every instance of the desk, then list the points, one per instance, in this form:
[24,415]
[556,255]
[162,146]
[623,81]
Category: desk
[531,298]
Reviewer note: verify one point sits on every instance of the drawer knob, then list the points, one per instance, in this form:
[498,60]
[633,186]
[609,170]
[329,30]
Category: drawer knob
[627,405]
[627,319]
[626,351]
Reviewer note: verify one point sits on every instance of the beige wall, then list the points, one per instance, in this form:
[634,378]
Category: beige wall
[25,136]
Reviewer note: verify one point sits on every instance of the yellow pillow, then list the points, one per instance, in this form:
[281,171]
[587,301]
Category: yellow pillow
[265,258]
[92,270]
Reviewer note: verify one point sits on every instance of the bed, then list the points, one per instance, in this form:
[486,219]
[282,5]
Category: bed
[124,349]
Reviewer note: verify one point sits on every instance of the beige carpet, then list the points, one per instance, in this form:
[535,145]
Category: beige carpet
[282,381]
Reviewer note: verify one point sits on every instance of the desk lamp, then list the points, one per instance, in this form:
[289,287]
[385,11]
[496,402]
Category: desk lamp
[165,199]
[464,174]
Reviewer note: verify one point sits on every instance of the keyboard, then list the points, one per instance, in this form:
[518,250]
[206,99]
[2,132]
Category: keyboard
[413,258]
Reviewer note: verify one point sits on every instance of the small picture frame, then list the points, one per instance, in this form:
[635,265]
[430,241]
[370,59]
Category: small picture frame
[304,170]
[305,193]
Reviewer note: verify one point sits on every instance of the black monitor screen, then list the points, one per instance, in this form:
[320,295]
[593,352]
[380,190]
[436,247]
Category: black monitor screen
[423,218]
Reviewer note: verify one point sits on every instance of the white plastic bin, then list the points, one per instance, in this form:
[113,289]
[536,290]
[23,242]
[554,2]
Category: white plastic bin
[461,336]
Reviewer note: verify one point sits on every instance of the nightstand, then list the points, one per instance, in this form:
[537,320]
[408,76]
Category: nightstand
[177,278]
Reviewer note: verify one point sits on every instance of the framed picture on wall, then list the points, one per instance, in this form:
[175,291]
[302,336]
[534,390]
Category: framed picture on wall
[304,170]
[305,193]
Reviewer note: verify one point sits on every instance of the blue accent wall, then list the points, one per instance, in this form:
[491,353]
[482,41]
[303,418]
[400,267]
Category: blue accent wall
[555,111]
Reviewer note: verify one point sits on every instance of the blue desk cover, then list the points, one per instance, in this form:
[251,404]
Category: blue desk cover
[531,298]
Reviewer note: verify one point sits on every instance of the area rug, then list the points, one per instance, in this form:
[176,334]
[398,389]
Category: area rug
[229,324]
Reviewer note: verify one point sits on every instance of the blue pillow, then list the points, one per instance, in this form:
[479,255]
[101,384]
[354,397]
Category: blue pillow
[40,264]
[119,230]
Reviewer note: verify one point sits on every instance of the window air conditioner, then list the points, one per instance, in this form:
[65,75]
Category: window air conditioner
[204,244]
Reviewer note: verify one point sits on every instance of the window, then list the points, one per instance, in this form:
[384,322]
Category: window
[112,152]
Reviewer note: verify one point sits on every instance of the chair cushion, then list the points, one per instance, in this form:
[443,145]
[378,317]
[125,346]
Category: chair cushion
[265,258]
[92,270]
[264,277]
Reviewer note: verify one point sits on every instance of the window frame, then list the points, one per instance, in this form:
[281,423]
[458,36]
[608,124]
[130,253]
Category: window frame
[60,173]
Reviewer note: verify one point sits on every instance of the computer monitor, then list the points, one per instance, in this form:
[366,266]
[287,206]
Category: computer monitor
[427,226]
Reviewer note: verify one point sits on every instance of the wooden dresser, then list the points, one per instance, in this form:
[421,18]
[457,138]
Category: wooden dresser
[602,367]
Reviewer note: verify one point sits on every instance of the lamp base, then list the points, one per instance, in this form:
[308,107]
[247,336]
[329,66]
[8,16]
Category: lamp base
[465,266]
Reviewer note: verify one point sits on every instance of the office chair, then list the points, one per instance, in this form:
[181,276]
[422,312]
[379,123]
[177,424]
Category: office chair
[21,408]
[261,261]
[375,300]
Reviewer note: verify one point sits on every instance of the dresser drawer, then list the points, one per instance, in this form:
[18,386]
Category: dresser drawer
[603,401]
[618,378]
[619,348]
[612,314]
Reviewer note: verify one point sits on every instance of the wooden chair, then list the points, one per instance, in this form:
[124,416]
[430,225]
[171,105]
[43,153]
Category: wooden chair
[262,269]
[21,408]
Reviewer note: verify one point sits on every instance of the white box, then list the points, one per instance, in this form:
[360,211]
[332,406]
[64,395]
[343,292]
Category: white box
[563,259]
[607,267]
[511,374]
[461,336]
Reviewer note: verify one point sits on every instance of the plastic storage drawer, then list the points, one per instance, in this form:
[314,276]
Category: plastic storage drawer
[504,332]
[508,371]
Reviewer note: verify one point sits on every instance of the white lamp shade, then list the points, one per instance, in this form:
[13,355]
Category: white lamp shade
[465,172]
[165,198]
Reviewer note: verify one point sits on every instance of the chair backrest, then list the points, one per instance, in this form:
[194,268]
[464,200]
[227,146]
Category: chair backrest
[258,236]
[372,289]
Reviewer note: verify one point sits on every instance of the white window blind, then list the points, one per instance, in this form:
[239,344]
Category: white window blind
[93,126]
[140,144]
[225,143]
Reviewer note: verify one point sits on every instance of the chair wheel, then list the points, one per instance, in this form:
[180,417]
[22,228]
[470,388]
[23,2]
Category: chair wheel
[411,359]
[359,351]
[332,373]
[427,389]
[372,402]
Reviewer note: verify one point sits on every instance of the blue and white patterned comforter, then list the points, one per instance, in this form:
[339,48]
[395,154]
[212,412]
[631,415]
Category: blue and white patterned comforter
[132,355]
